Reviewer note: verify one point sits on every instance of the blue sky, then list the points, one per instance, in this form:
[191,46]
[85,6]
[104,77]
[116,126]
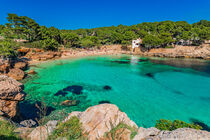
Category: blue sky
[74,14]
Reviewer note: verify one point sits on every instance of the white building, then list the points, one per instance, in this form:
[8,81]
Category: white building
[136,43]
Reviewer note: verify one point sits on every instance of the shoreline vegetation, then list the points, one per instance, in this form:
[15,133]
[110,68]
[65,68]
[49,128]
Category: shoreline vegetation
[23,42]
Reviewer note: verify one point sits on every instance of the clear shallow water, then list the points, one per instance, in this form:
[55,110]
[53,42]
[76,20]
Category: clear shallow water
[146,89]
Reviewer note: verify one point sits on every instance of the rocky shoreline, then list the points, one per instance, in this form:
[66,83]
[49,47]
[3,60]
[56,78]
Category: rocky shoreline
[30,56]
[198,52]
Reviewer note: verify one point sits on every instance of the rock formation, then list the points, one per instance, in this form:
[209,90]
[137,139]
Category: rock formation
[98,122]
[69,103]
[32,72]
[21,65]
[16,73]
[43,132]
[178,134]
[202,51]
[99,119]
[4,65]
[11,93]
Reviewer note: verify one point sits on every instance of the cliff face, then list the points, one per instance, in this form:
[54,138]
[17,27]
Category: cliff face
[11,93]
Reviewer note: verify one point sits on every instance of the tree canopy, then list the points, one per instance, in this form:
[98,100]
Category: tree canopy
[153,34]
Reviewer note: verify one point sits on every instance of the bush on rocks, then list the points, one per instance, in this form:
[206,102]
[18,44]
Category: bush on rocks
[70,129]
[163,124]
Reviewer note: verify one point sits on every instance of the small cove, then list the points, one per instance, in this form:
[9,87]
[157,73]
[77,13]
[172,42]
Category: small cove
[146,89]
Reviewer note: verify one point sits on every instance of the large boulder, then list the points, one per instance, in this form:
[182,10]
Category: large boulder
[11,93]
[4,68]
[4,65]
[99,119]
[17,74]
[21,65]
[43,132]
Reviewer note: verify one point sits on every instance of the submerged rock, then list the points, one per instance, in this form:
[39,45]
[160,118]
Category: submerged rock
[11,93]
[17,74]
[107,87]
[32,72]
[69,103]
[99,119]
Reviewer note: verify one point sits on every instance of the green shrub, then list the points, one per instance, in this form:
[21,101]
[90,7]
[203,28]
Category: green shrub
[163,124]
[6,131]
[35,44]
[8,48]
[119,126]
[50,44]
[71,129]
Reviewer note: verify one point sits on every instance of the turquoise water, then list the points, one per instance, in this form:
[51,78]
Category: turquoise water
[147,89]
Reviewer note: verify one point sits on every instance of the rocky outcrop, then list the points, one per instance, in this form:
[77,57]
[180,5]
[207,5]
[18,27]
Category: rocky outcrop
[103,122]
[4,65]
[13,67]
[99,119]
[202,52]
[32,72]
[178,134]
[21,65]
[42,56]
[17,74]
[11,93]
[69,103]
[43,132]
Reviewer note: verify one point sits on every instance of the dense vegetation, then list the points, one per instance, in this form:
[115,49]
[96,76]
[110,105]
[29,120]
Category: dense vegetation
[115,131]
[71,130]
[169,125]
[7,131]
[156,34]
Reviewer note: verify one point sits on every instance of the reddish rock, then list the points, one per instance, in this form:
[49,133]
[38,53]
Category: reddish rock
[69,103]
[32,72]
[11,93]
[38,50]
[24,50]
[4,68]
[21,65]
[17,74]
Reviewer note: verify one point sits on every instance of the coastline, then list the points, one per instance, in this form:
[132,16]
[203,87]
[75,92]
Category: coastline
[81,55]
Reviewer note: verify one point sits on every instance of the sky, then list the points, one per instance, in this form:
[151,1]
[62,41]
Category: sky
[75,14]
